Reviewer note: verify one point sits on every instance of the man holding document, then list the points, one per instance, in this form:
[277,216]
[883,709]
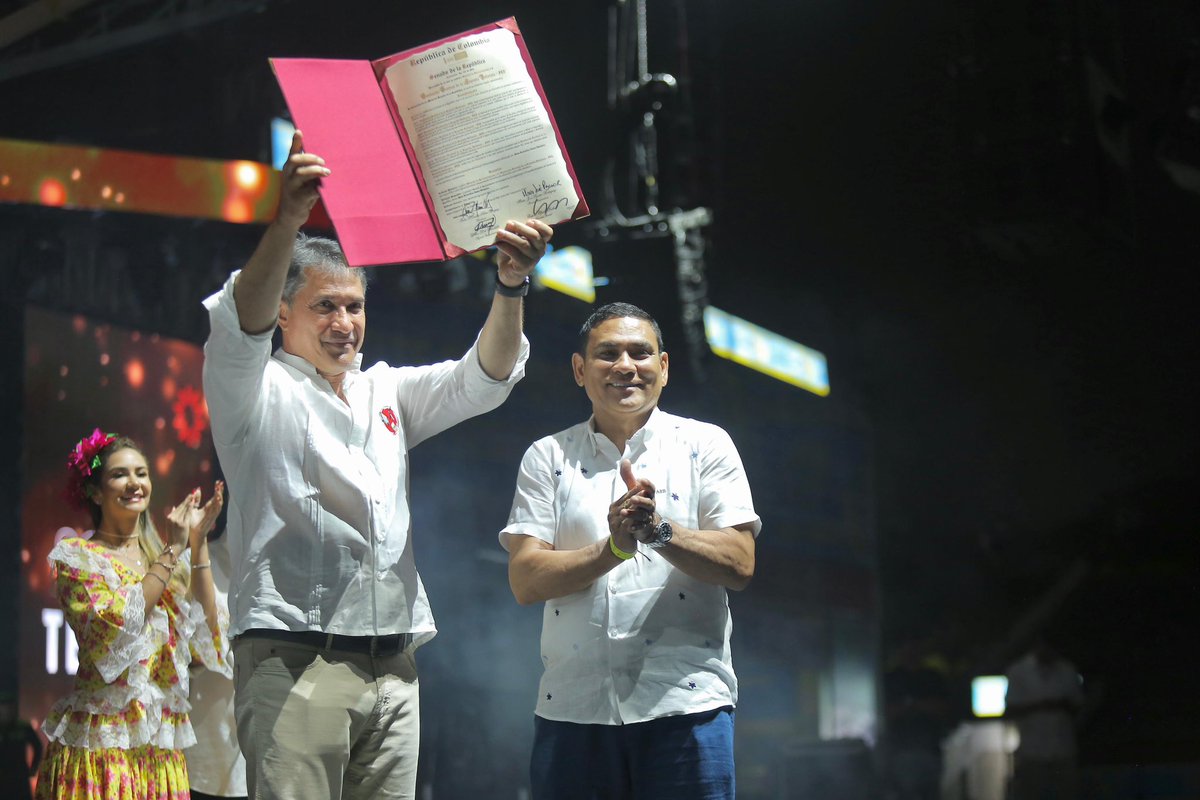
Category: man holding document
[325,601]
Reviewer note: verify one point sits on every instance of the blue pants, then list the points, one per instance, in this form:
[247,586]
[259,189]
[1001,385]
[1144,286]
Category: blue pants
[687,757]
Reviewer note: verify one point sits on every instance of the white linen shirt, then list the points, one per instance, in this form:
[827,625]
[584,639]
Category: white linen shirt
[319,526]
[645,640]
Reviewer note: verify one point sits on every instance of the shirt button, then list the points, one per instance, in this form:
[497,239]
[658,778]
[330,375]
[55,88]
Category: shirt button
[612,589]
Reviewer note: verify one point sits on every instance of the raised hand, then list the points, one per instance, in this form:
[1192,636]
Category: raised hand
[179,517]
[302,174]
[203,517]
[520,245]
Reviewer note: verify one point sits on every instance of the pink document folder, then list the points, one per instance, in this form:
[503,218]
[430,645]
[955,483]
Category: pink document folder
[376,195]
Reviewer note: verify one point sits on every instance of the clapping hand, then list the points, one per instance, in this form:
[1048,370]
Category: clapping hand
[190,521]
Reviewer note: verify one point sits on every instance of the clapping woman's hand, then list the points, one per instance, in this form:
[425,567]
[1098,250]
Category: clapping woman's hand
[203,517]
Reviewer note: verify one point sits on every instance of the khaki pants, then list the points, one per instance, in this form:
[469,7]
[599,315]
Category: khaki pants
[326,724]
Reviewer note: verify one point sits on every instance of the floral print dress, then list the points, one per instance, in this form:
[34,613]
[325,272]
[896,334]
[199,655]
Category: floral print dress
[120,734]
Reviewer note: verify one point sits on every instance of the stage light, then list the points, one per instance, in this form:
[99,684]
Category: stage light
[106,192]
[987,695]
[76,174]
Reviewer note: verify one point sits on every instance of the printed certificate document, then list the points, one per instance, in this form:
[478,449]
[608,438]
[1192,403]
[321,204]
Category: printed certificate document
[434,148]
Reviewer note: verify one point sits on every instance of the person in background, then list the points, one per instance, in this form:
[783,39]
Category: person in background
[20,751]
[1044,699]
[216,767]
[125,593]
[630,527]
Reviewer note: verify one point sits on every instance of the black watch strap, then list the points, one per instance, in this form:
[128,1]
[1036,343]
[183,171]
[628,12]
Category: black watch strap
[512,291]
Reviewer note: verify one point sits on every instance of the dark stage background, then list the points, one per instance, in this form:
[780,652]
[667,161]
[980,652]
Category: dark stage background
[983,213]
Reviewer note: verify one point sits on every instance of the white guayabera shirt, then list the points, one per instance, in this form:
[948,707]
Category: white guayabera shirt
[645,640]
[319,526]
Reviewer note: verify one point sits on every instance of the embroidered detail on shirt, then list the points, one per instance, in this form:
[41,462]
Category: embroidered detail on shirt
[390,420]
[558,473]
[674,495]
[556,612]
[583,470]
[691,684]
[682,596]
[549,696]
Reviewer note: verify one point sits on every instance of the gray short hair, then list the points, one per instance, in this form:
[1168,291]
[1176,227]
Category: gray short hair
[321,254]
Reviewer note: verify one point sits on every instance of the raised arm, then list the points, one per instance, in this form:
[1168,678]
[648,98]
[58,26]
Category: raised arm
[201,521]
[520,246]
[259,286]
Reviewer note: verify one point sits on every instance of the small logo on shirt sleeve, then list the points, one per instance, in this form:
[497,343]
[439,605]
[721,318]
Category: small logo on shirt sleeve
[390,420]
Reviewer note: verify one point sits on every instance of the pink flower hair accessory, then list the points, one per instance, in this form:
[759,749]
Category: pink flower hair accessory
[81,462]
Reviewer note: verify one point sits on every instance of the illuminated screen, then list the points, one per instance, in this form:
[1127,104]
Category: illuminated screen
[119,180]
[569,271]
[987,695]
[758,348]
[80,375]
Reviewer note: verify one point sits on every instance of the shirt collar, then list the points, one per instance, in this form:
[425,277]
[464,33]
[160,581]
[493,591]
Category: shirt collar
[643,435]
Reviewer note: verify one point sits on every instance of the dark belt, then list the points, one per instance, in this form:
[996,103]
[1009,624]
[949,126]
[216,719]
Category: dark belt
[371,645]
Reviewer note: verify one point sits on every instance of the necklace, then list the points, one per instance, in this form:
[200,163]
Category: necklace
[122,552]
[125,536]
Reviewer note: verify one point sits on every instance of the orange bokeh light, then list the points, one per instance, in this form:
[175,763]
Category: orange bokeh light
[163,463]
[135,373]
[237,209]
[248,175]
[52,193]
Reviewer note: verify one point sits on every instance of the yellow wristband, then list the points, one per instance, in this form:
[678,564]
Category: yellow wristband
[618,552]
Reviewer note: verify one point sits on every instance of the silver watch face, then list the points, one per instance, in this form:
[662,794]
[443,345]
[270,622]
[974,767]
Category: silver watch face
[662,535]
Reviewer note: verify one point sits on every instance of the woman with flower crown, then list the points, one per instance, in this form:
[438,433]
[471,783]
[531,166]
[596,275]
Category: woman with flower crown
[141,613]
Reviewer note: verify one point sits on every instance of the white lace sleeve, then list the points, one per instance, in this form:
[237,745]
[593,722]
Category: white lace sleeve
[109,618]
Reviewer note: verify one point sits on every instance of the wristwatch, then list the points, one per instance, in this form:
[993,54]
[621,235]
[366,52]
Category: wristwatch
[512,291]
[662,535]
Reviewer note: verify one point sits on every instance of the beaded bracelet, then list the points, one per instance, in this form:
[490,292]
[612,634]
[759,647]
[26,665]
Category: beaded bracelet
[160,580]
